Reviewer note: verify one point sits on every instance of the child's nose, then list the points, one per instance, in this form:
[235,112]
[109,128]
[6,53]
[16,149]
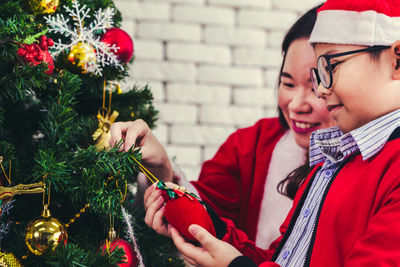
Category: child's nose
[322,91]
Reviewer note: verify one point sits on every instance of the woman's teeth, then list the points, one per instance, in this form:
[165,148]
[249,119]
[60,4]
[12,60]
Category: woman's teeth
[303,125]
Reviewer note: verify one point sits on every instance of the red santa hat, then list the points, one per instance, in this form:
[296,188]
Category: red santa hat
[358,22]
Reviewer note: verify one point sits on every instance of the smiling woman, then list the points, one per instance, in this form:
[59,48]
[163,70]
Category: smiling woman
[302,110]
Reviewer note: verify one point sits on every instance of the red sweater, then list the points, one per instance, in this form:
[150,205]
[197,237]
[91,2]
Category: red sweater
[232,182]
[359,223]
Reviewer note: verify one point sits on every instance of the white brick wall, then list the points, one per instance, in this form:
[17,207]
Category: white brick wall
[212,66]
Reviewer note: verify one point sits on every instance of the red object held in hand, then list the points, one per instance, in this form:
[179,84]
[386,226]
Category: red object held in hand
[185,210]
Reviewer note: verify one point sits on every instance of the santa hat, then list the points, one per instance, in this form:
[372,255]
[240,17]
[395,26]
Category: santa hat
[358,22]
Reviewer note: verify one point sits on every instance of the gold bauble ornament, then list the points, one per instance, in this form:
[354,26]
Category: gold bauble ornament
[44,234]
[9,260]
[43,6]
[82,55]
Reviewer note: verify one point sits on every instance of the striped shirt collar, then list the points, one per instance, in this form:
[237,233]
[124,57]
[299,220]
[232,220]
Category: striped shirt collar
[331,144]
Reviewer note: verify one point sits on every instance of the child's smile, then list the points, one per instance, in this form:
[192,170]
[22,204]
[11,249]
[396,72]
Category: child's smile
[363,88]
[334,109]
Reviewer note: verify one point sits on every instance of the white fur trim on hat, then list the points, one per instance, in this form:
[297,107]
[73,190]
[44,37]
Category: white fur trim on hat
[357,28]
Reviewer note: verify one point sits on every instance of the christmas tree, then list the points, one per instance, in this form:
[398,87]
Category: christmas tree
[64,194]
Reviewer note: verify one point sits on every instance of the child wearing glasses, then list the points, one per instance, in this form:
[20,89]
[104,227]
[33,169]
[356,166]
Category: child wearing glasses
[347,212]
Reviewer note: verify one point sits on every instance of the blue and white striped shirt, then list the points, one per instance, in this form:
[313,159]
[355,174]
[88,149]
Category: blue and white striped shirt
[332,147]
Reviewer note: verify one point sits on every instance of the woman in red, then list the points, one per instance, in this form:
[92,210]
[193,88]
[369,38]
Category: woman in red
[240,181]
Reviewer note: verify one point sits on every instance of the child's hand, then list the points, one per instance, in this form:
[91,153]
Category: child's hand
[137,133]
[213,252]
[154,206]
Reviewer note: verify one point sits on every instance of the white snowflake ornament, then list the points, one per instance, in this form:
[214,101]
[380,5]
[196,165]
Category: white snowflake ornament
[79,33]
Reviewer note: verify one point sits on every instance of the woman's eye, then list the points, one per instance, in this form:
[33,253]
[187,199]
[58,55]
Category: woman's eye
[290,85]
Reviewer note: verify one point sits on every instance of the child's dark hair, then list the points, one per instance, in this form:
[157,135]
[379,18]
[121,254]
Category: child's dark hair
[301,29]
[375,54]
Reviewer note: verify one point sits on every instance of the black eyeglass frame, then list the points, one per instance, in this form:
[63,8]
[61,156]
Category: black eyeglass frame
[314,71]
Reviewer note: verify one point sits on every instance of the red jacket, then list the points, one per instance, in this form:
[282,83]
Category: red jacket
[359,223]
[233,180]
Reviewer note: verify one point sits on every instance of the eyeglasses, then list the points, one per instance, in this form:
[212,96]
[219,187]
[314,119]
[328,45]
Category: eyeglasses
[323,73]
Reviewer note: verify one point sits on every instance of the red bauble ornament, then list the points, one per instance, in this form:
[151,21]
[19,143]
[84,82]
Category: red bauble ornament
[121,39]
[185,209]
[130,255]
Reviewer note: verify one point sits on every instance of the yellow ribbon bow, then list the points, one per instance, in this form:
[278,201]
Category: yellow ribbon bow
[103,134]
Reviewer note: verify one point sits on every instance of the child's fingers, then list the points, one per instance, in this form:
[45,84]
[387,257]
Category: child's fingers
[159,223]
[187,249]
[135,134]
[116,130]
[207,240]
[151,210]
[148,192]
[151,198]
[189,260]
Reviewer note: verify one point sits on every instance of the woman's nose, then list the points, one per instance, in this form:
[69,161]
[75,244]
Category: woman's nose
[299,103]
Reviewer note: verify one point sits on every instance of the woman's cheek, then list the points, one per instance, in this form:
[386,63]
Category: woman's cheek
[284,99]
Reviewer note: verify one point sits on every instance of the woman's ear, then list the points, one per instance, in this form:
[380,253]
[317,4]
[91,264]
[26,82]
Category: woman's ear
[395,51]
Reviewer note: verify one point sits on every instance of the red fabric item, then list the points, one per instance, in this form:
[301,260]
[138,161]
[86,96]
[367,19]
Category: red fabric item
[185,210]
[359,222]
[232,182]
[390,8]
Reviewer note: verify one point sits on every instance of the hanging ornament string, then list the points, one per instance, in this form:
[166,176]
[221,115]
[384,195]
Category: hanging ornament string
[172,193]
[4,172]
[112,235]
[123,195]
[45,206]
[104,98]
[146,172]
[103,134]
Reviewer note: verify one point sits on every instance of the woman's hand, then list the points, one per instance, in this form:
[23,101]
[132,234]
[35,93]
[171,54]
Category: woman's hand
[154,206]
[137,133]
[213,252]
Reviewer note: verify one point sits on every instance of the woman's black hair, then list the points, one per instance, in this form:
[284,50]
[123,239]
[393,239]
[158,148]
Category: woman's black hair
[294,180]
[301,29]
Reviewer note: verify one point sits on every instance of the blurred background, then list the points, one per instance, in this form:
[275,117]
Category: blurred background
[212,66]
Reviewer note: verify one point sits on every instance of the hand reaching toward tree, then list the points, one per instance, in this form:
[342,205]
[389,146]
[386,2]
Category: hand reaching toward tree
[137,133]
